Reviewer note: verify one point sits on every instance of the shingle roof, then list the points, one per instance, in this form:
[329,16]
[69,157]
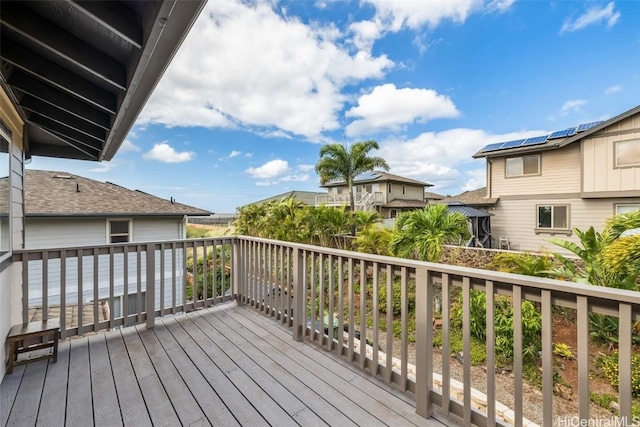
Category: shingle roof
[50,193]
[468,211]
[306,197]
[379,176]
[472,198]
[432,196]
[404,203]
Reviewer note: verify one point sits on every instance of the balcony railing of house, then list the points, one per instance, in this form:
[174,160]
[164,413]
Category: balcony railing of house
[336,300]
[358,198]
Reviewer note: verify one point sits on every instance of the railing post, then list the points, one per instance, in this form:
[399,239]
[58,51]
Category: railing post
[151,285]
[235,272]
[299,315]
[424,339]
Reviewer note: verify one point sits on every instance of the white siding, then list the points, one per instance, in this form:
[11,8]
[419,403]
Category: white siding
[154,229]
[44,233]
[412,192]
[516,220]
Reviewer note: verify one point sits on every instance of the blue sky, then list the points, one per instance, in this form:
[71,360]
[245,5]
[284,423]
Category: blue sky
[258,86]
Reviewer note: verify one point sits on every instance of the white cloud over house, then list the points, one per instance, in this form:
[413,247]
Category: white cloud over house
[612,89]
[127,145]
[389,108]
[594,15]
[276,171]
[271,169]
[163,152]
[572,105]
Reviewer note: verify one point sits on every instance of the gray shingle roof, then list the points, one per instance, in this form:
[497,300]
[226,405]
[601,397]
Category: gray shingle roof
[472,198]
[405,203]
[380,176]
[306,197]
[50,193]
[428,195]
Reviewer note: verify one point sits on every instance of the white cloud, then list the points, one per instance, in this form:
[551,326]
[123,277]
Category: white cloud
[248,155]
[306,168]
[477,178]
[413,14]
[234,153]
[260,70]
[572,105]
[298,178]
[271,169]
[163,152]
[613,89]
[104,167]
[129,146]
[500,5]
[387,107]
[593,15]
[438,157]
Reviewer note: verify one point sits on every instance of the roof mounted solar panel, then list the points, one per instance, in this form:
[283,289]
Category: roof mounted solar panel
[492,147]
[563,133]
[535,140]
[367,176]
[512,144]
[587,126]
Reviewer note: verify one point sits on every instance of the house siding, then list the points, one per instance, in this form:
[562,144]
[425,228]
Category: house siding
[559,173]
[600,172]
[47,233]
[411,192]
[516,220]
[11,274]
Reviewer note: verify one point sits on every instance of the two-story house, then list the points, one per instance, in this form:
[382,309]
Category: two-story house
[73,80]
[574,178]
[386,193]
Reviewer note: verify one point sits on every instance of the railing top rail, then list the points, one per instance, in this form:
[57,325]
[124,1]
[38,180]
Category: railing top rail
[497,277]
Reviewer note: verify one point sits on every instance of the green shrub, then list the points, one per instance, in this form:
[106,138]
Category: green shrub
[397,298]
[456,345]
[528,264]
[608,365]
[503,321]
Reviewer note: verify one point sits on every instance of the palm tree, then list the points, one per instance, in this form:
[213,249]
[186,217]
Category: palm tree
[422,233]
[338,162]
[365,219]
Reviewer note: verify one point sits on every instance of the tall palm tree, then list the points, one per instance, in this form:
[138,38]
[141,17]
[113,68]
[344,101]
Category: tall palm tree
[337,162]
[422,233]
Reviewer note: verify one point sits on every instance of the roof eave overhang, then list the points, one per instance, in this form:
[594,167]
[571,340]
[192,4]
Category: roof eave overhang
[113,215]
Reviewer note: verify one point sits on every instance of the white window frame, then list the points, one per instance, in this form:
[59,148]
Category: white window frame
[616,145]
[633,206]
[5,134]
[129,233]
[521,159]
[553,230]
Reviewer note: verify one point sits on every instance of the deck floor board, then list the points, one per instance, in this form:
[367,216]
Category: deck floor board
[227,365]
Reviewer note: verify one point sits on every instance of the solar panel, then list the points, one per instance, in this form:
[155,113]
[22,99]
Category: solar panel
[512,144]
[587,126]
[563,133]
[535,140]
[367,176]
[492,147]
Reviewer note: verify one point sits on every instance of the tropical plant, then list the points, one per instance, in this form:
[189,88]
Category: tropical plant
[250,220]
[374,240]
[422,233]
[365,219]
[337,162]
[527,264]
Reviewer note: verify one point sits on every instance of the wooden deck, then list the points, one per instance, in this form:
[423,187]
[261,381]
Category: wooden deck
[222,366]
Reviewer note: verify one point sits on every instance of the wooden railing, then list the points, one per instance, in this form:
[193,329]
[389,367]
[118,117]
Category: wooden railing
[349,303]
[343,199]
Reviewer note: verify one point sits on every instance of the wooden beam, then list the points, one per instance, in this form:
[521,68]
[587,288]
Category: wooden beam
[36,88]
[68,151]
[114,16]
[64,132]
[58,76]
[63,44]
[72,122]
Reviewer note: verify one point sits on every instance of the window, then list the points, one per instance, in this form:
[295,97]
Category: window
[404,189]
[5,193]
[627,153]
[553,217]
[338,190]
[525,165]
[119,231]
[626,208]
[389,188]
[393,213]
[368,188]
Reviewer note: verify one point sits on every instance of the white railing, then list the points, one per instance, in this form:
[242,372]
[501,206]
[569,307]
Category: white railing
[344,302]
[359,199]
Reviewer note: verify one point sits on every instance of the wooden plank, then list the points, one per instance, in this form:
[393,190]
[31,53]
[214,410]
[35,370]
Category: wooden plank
[185,405]
[264,404]
[8,391]
[79,404]
[132,407]
[233,399]
[336,390]
[54,395]
[361,385]
[154,394]
[282,395]
[208,399]
[105,398]
[25,405]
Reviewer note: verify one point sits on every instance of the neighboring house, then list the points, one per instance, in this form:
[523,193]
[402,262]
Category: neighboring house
[430,197]
[575,178]
[72,88]
[475,198]
[64,210]
[386,193]
[308,198]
